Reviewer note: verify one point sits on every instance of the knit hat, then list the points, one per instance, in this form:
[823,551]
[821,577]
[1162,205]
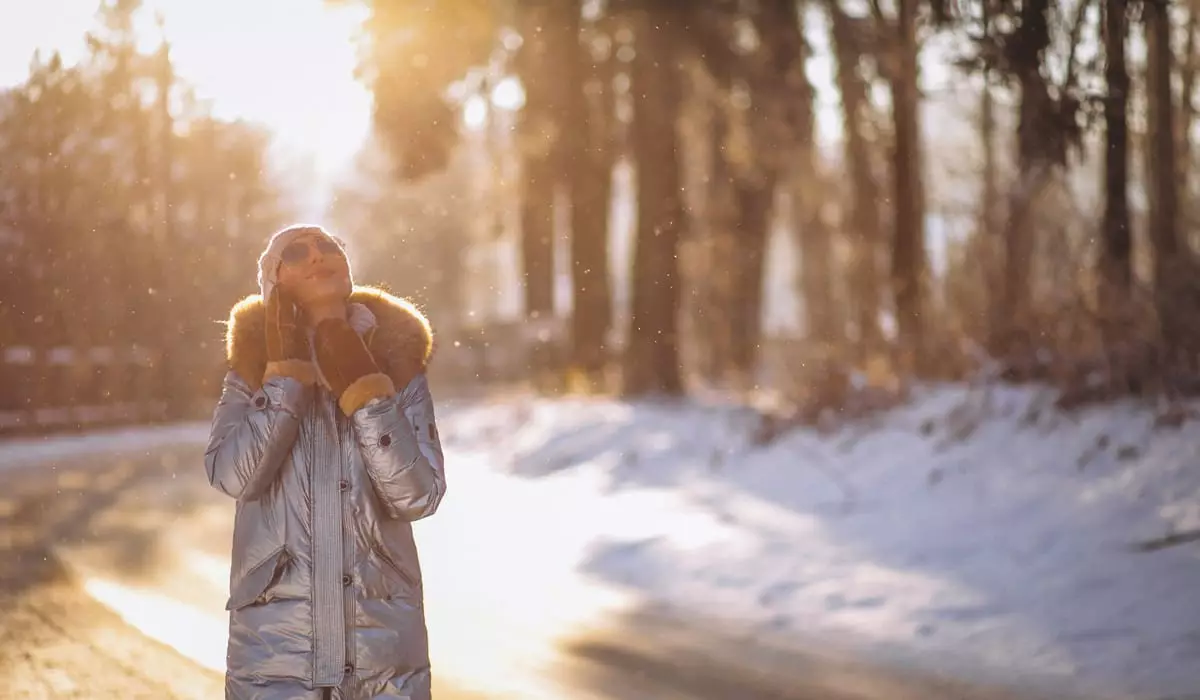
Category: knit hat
[272,256]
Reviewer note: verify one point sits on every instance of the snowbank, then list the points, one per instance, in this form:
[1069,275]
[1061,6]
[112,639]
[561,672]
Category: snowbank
[972,533]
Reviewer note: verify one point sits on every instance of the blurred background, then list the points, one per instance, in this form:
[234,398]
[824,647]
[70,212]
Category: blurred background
[863,245]
[764,188]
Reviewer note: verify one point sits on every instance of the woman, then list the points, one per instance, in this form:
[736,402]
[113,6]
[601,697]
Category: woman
[325,436]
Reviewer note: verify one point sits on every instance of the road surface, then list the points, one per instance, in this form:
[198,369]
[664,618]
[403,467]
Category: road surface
[113,573]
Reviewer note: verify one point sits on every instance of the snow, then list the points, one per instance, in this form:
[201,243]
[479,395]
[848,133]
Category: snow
[28,451]
[978,534]
[969,532]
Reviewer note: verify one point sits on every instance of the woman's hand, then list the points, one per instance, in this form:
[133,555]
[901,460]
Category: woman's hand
[325,312]
[286,339]
[348,366]
[288,353]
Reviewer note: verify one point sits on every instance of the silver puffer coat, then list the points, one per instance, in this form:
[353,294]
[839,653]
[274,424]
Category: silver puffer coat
[326,594]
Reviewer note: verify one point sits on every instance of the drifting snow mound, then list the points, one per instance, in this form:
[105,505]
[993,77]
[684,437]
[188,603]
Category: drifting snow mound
[977,529]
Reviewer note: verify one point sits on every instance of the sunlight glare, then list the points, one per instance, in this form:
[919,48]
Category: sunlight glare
[199,637]
[212,570]
[287,64]
[469,609]
[508,94]
[475,113]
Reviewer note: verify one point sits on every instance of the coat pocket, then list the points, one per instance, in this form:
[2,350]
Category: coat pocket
[258,580]
[395,573]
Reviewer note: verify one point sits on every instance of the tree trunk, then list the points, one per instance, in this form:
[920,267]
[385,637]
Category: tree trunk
[865,288]
[1174,291]
[589,160]
[652,356]
[1036,151]
[989,231]
[781,104]
[539,62]
[1183,126]
[753,197]
[908,253]
[718,280]
[824,324]
[1187,83]
[176,305]
[539,140]
[537,239]
[1116,256]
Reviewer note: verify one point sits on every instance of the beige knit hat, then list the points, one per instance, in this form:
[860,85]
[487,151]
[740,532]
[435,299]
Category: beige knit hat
[272,256]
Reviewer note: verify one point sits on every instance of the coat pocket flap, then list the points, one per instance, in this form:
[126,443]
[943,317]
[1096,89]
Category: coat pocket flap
[258,579]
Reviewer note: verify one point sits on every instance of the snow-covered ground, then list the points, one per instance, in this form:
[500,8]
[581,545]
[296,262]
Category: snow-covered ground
[17,453]
[982,536]
[987,535]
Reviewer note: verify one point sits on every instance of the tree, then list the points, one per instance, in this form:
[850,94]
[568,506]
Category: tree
[136,225]
[761,120]
[651,362]
[413,51]
[1175,292]
[908,241]
[810,190]
[546,47]
[866,230]
[1116,256]
[565,94]
[589,158]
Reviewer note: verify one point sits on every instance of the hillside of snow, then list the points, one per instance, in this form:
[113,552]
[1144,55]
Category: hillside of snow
[974,533]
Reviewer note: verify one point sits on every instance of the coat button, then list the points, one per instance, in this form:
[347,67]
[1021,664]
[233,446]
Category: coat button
[349,668]
[346,580]
[343,485]
[260,401]
[385,440]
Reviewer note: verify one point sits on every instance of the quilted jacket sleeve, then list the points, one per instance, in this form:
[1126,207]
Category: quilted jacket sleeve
[252,433]
[402,452]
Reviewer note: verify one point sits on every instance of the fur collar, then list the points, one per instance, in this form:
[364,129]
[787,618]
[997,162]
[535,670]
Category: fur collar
[402,338]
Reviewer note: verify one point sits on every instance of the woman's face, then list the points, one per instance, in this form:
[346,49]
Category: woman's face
[314,270]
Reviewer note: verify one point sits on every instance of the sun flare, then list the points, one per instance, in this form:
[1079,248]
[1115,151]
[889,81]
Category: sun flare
[288,64]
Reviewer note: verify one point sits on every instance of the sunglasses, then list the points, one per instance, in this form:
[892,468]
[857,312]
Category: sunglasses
[298,251]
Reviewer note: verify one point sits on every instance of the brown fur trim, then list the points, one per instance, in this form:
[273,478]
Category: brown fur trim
[365,388]
[402,342]
[306,372]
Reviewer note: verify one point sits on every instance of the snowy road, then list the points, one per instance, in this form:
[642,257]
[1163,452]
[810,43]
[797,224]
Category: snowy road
[512,612]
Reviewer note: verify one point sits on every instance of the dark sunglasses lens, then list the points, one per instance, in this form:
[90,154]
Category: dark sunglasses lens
[294,252]
[328,247]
